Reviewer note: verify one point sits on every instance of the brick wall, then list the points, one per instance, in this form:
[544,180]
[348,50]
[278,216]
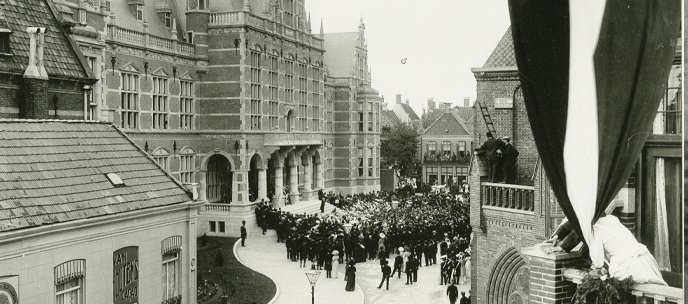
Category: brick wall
[512,122]
[35,101]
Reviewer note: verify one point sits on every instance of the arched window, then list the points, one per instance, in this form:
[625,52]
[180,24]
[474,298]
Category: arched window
[162,157]
[69,282]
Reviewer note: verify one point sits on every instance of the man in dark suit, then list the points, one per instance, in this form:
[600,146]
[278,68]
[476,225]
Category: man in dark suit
[453,293]
[398,263]
[464,300]
[321,197]
[509,155]
[386,270]
[491,149]
[243,233]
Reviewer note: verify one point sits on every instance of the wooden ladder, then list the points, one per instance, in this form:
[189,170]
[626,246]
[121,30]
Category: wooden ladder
[487,118]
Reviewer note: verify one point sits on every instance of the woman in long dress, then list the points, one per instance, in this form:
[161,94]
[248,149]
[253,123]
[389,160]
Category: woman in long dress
[335,264]
[351,276]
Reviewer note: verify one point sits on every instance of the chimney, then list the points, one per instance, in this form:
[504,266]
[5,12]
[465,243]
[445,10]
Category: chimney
[466,102]
[35,84]
[398,98]
[431,103]
[407,101]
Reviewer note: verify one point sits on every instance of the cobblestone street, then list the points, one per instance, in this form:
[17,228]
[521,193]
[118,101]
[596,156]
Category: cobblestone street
[263,254]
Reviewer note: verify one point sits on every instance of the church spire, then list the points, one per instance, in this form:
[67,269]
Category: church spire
[246,6]
[361,26]
[322,33]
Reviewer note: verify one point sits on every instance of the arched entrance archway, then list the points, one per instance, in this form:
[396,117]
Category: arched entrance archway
[510,279]
[256,179]
[218,180]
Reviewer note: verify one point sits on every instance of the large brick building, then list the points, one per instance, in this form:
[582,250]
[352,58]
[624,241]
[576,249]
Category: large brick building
[508,220]
[238,97]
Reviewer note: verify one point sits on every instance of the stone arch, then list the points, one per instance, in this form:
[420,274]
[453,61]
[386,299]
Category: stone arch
[290,120]
[261,161]
[503,285]
[204,161]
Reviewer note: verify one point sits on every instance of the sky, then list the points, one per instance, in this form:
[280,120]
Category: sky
[440,39]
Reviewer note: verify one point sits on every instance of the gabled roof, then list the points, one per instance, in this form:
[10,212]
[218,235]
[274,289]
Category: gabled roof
[340,53]
[503,54]
[391,116]
[409,111]
[449,123]
[465,112]
[56,171]
[61,55]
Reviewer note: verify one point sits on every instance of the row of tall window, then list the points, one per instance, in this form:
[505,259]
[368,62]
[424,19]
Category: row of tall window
[445,175]
[187,165]
[371,121]
[70,276]
[447,148]
[302,86]
[131,109]
[372,164]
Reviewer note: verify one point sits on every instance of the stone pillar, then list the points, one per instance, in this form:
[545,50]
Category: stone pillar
[307,176]
[294,181]
[279,183]
[262,184]
[202,187]
[547,284]
[236,182]
[319,176]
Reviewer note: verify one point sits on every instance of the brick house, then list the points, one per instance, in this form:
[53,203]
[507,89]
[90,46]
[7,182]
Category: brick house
[510,220]
[88,217]
[446,147]
[239,99]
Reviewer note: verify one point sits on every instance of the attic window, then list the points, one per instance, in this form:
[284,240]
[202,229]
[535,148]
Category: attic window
[115,180]
[5,41]
[139,12]
[168,20]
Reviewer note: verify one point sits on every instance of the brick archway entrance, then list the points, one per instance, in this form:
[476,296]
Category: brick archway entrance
[509,279]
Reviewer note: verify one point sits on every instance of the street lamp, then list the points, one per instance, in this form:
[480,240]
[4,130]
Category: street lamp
[312,276]
[347,228]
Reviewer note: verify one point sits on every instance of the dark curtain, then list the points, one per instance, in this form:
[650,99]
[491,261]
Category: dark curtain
[632,61]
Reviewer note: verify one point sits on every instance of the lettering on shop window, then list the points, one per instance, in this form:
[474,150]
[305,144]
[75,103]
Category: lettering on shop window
[125,278]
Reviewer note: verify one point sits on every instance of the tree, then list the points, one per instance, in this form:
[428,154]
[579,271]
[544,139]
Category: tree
[400,148]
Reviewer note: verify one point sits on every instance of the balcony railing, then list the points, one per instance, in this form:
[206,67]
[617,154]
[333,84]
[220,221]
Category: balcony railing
[515,197]
[216,208]
[644,293]
[447,158]
[292,139]
[139,39]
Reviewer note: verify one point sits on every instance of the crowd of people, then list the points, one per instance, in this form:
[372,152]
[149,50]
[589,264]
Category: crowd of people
[376,226]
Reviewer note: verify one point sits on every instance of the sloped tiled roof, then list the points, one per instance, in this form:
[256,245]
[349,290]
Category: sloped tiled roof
[340,52]
[61,55]
[503,54]
[450,122]
[55,171]
[391,116]
[409,111]
[465,112]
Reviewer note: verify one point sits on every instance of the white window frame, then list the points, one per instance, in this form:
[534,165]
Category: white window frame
[161,110]
[129,101]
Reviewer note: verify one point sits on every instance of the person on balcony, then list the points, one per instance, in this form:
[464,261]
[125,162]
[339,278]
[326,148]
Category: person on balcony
[509,155]
[491,149]
[614,246]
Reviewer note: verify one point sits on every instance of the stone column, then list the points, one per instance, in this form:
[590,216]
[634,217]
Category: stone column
[279,183]
[202,187]
[262,184]
[319,176]
[307,176]
[547,284]
[294,181]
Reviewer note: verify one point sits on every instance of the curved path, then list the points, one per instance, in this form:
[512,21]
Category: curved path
[263,254]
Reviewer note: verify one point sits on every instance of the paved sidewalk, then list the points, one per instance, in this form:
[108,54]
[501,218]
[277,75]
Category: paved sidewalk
[263,254]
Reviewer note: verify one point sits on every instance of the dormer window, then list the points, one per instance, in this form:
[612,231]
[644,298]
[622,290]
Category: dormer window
[139,12]
[5,41]
[168,20]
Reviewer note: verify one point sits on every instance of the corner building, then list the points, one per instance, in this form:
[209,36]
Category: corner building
[237,99]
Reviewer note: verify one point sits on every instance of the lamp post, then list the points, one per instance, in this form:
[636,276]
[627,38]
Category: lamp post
[347,228]
[312,276]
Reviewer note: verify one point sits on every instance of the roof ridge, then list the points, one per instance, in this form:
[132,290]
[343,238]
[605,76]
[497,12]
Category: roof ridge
[22,120]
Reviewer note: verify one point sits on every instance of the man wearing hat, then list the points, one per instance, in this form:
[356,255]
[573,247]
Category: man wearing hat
[398,262]
[491,149]
[509,155]
[243,233]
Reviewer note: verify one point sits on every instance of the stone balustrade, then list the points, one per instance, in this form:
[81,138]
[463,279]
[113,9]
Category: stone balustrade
[148,41]
[508,196]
